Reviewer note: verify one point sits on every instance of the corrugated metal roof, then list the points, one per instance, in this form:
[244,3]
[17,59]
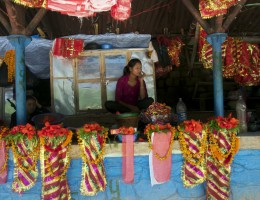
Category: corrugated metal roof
[148,16]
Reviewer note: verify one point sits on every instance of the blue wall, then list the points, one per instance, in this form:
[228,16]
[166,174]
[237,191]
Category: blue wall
[245,181]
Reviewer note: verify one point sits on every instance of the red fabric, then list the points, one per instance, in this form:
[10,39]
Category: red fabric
[162,168]
[30,3]
[212,8]
[68,48]
[66,6]
[3,175]
[128,158]
[127,93]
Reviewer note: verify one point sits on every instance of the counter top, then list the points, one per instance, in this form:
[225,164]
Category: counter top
[249,140]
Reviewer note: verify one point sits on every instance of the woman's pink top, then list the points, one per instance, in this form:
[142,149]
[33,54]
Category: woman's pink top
[127,93]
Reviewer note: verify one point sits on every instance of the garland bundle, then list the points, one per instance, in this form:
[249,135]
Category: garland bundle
[54,157]
[25,147]
[222,148]
[92,141]
[193,144]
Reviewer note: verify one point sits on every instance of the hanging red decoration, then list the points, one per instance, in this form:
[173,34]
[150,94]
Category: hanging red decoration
[32,3]
[174,50]
[101,5]
[67,47]
[212,8]
[241,60]
[122,10]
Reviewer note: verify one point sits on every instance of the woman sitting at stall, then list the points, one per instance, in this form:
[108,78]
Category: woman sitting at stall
[131,93]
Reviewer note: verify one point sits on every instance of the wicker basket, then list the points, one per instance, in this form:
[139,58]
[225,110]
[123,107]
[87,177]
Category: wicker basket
[127,119]
[52,118]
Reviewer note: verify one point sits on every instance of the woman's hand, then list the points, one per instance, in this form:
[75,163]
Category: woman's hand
[141,76]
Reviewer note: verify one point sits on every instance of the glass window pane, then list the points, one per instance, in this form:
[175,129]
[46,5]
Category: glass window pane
[88,67]
[149,81]
[89,96]
[111,90]
[62,67]
[114,65]
[63,93]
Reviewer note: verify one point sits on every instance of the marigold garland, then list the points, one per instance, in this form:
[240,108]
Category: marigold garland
[229,126]
[25,147]
[193,144]
[84,136]
[9,59]
[150,128]
[64,144]
[196,129]
[4,131]
[92,141]
[223,145]
[55,160]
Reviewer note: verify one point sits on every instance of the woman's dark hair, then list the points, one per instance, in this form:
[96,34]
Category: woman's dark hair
[130,64]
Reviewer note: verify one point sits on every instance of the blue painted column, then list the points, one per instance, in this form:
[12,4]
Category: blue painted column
[216,41]
[20,42]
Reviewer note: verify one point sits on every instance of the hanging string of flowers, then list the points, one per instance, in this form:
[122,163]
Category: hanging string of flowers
[224,129]
[159,128]
[25,147]
[54,157]
[193,144]
[3,157]
[223,145]
[9,60]
[92,141]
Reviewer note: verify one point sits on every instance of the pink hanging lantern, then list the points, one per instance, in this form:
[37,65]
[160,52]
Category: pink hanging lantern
[122,10]
[101,5]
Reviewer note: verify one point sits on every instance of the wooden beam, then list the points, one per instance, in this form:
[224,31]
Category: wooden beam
[4,21]
[218,24]
[233,14]
[20,14]
[195,45]
[35,21]
[251,39]
[197,16]
[16,28]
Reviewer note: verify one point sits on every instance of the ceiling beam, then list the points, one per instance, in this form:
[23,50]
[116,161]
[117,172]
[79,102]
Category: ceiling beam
[4,21]
[16,28]
[231,17]
[35,21]
[197,16]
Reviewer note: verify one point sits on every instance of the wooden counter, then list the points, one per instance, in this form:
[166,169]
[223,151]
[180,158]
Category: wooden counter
[248,141]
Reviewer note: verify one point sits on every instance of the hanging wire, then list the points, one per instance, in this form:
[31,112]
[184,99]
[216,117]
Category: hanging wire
[152,8]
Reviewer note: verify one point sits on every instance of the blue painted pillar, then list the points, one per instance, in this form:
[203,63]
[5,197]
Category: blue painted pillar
[20,42]
[216,41]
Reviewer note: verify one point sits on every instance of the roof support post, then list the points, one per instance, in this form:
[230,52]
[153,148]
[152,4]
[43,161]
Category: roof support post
[20,42]
[216,40]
